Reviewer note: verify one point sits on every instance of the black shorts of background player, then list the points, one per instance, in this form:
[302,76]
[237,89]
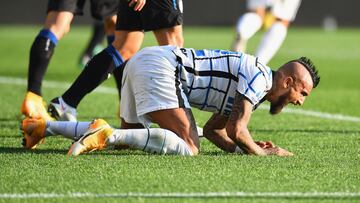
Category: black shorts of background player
[59,16]
[163,17]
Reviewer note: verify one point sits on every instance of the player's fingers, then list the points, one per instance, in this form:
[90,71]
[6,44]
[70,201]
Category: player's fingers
[132,3]
[140,4]
[270,144]
[283,152]
[261,144]
[288,154]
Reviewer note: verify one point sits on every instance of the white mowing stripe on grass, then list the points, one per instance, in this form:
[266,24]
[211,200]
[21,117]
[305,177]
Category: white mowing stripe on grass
[330,116]
[109,90]
[51,84]
[329,195]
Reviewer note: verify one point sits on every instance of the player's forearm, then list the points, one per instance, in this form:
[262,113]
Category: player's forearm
[219,138]
[244,141]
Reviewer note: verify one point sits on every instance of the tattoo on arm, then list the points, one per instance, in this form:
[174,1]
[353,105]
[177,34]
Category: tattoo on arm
[239,113]
[237,109]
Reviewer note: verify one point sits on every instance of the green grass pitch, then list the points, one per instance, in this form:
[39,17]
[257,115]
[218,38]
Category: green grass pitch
[327,149]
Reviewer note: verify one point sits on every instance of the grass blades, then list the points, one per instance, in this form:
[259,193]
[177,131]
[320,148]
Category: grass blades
[327,150]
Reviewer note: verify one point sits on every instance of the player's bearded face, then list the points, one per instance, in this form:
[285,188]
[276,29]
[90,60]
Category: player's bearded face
[277,106]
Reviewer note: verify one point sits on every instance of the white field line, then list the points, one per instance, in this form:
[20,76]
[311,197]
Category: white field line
[328,195]
[330,116]
[51,84]
[109,90]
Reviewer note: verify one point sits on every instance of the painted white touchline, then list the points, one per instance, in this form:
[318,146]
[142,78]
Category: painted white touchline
[109,90]
[183,195]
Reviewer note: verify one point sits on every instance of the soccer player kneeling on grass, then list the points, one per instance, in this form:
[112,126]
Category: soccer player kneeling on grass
[162,83]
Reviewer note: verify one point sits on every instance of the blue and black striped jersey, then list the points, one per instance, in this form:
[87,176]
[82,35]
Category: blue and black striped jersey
[210,78]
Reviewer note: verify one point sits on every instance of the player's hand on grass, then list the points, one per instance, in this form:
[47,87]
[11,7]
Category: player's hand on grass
[271,149]
[137,4]
[283,152]
[278,151]
[265,144]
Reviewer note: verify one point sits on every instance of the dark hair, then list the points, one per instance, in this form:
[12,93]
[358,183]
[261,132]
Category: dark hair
[309,65]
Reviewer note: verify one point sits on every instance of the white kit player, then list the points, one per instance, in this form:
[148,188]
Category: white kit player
[160,85]
[248,24]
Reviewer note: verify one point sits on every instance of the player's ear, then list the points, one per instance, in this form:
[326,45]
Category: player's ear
[288,82]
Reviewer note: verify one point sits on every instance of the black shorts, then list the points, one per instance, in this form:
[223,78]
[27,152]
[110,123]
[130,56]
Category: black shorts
[156,14]
[100,9]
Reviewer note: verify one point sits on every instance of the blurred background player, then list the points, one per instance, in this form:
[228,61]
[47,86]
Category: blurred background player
[134,18]
[94,46]
[284,11]
[60,14]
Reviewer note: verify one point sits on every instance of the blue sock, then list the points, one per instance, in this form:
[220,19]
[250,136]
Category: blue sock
[119,66]
[40,54]
[115,55]
[45,33]
[94,73]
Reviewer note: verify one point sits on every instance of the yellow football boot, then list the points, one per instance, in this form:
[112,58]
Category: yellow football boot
[34,106]
[93,139]
[34,132]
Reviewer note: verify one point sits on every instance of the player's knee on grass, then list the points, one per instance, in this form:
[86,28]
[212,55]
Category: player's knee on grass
[181,122]
[163,141]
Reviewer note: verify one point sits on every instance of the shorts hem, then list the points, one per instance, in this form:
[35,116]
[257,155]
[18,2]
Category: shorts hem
[158,108]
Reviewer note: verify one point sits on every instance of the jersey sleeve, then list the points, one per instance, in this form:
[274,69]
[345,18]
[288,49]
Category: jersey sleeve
[253,87]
